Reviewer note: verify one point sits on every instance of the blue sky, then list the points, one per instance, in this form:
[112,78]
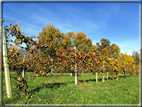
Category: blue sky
[117,22]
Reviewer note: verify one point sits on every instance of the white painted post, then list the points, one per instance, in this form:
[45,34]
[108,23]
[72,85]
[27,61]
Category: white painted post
[107,71]
[96,77]
[23,66]
[76,78]
[96,73]
[6,66]
[1,66]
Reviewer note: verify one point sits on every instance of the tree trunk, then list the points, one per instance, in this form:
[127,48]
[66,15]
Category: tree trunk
[23,73]
[6,66]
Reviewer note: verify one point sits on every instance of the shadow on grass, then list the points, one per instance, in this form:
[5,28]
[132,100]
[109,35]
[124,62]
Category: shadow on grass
[100,79]
[51,86]
[57,85]
[57,75]
[13,77]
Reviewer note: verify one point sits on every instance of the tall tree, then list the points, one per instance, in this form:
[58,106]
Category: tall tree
[111,50]
[81,42]
[104,43]
[116,52]
[136,57]
[93,49]
[68,40]
[105,52]
[51,37]
[88,45]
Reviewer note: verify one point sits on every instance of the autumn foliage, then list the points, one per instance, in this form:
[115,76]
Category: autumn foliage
[52,44]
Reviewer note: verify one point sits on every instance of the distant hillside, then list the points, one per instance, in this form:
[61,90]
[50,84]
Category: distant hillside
[22,51]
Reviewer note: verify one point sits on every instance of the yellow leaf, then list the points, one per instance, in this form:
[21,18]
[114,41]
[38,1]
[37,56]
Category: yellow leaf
[11,50]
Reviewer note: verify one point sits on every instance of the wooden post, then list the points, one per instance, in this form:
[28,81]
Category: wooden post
[23,73]
[6,66]
[76,78]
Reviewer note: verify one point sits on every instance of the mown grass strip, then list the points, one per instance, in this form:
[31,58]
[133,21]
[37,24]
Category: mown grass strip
[62,90]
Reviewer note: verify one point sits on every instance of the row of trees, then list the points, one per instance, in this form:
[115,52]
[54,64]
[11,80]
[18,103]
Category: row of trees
[51,39]
[55,51]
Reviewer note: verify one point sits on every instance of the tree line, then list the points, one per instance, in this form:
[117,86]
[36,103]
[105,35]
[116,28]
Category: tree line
[63,53]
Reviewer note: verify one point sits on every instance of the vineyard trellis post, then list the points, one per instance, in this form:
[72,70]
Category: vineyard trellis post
[96,75]
[51,66]
[107,69]
[23,73]
[76,78]
[96,72]
[6,66]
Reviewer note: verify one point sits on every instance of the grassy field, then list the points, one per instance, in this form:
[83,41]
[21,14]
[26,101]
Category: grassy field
[62,90]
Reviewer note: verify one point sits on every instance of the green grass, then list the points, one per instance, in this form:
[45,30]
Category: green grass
[62,90]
